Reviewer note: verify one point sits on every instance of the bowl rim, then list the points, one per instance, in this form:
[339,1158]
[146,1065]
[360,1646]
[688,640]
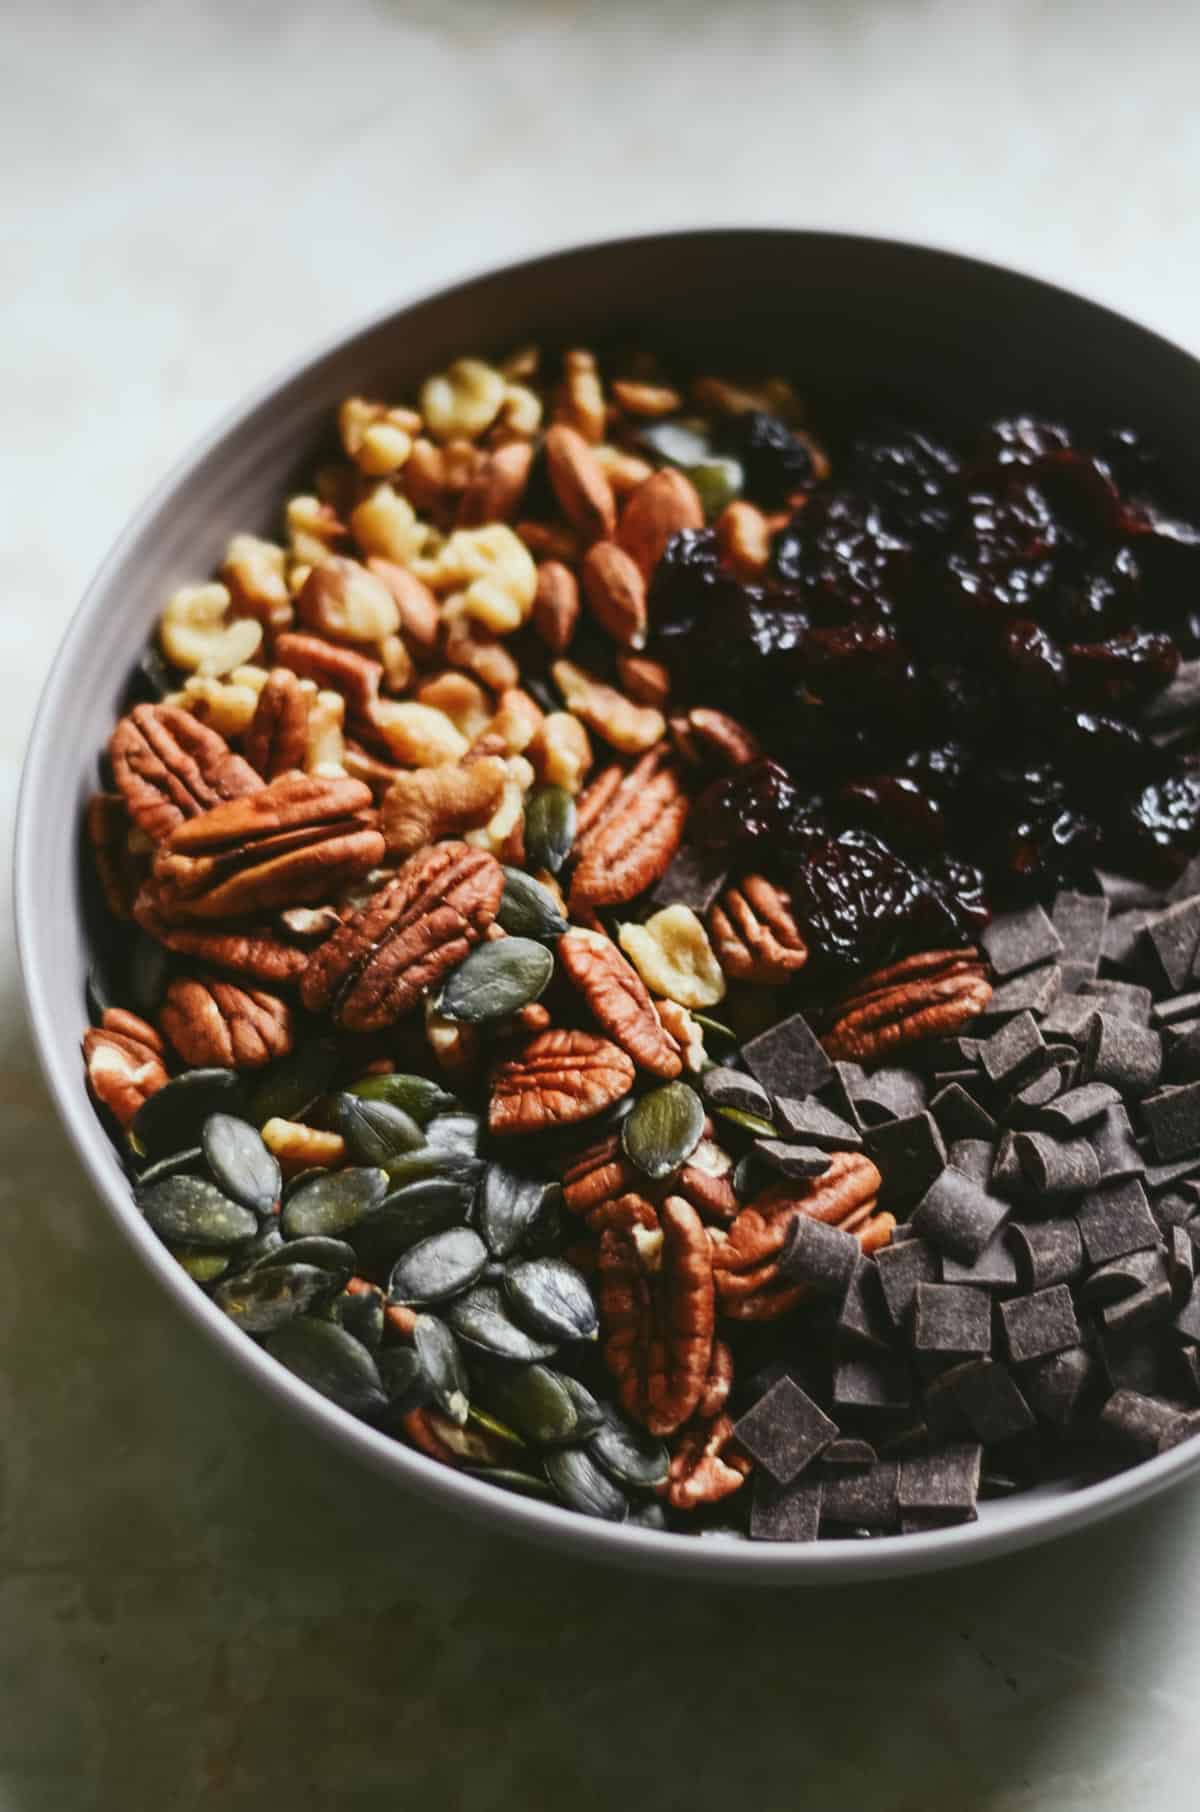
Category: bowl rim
[702,1560]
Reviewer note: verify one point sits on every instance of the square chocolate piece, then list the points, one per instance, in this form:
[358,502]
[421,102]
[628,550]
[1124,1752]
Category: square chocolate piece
[871,1381]
[690,879]
[1040,1324]
[861,1497]
[814,1124]
[785,1512]
[1013,1054]
[989,1400]
[952,1319]
[1115,1219]
[909,1154]
[788,1059]
[900,1268]
[959,1217]
[1172,938]
[1080,919]
[1172,1119]
[1020,940]
[944,1482]
[785,1430]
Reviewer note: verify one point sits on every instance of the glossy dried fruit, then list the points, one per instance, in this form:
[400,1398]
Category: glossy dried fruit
[557,1078]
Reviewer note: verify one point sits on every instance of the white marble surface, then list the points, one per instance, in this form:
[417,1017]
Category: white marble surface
[196,1607]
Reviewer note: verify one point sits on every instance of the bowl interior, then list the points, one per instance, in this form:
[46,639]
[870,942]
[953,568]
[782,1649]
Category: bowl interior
[844,316]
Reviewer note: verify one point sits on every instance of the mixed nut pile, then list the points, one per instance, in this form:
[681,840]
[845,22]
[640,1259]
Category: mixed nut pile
[550,994]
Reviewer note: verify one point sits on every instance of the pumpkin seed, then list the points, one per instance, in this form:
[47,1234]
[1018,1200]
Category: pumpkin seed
[442,1363]
[302,1179]
[547,1231]
[332,1255]
[582,1486]
[481,1321]
[508,1207]
[172,1118]
[437,1268]
[737,1116]
[149,969]
[434,1162]
[332,1361]
[527,908]
[678,442]
[256,1251]
[262,1300]
[536,1401]
[375,1131]
[664,1129]
[360,1312]
[201,1267]
[714,1026]
[455,1132]
[523,1484]
[549,827]
[551,1298]
[405,1381]
[747,1176]
[417,1096]
[333,1201]
[628,1454]
[589,1412]
[240,1163]
[181,1163]
[648,1516]
[407,1216]
[189,1211]
[290,1085]
[497,979]
[717,481]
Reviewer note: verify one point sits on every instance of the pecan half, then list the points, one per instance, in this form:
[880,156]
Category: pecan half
[343,670]
[600,1183]
[216,1022]
[121,870]
[294,842]
[714,734]
[706,1464]
[405,938]
[556,1079]
[254,952]
[657,1314]
[755,937]
[124,1058]
[929,995]
[625,845]
[619,999]
[745,1259]
[277,736]
[170,767]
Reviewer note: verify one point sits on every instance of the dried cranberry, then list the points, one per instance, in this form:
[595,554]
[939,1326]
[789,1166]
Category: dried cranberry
[1034,668]
[838,548]
[1081,497]
[1161,825]
[1099,597]
[775,461]
[1019,440]
[1122,673]
[756,803]
[1134,467]
[911,475]
[895,807]
[686,580]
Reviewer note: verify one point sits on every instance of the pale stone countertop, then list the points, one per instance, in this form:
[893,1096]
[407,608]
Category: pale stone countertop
[198,1606]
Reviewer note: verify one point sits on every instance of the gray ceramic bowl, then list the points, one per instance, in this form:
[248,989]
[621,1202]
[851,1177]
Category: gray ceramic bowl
[968,337]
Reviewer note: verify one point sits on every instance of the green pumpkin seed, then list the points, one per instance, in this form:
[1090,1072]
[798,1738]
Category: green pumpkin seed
[438,1268]
[181,1163]
[628,1454]
[737,1116]
[508,1207]
[539,1403]
[528,909]
[332,1361]
[375,1131]
[256,1251]
[333,1201]
[266,1298]
[547,1232]
[201,1267]
[664,1129]
[649,1516]
[434,1162]
[746,1177]
[173,1117]
[240,1163]
[455,1132]
[417,1096]
[360,1312]
[188,1211]
[715,1027]
[496,980]
[407,1216]
[717,481]
[582,1486]
[551,1298]
[549,827]
[406,1383]
[290,1085]
[332,1255]
[482,1322]
[522,1484]
[680,442]
[149,970]
[481,1441]
[442,1363]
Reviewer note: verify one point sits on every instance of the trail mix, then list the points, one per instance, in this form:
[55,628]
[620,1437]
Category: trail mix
[653,952]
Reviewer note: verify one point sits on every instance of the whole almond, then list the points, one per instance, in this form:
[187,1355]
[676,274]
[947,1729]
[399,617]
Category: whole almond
[656,511]
[578,482]
[497,486]
[647,682]
[744,538]
[616,593]
[651,400]
[556,605]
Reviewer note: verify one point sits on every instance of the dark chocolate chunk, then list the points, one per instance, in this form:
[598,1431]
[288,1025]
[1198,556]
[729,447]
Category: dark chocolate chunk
[1068,1018]
[1177,703]
[889,1094]
[1180,1170]
[944,1481]
[1007,1177]
[1181,1263]
[1111,1138]
[1189,1357]
[1124,892]
[1126,1055]
[1183,1061]
[690,879]
[1123,937]
[1187,884]
[1172,1209]
[909,1154]
[785,1512]
[973,1157]
[1134,1361]
[951,1318]
[1013,1054]
[1187,1322]
[1079,919]
[871,1381]
[1036,1094]
[864,1314]
[785,1430]
[959,1115]
[1147,1423]
[848,1450]
[866,1496]
[1172,1118]
[1039,1324]
[1034,992]
[901,1267]
[1077,1108]
[1121,999]
[994,1269]
[1115,1218]
[788,1059]
[988,1399]
[817,1125]
[1019,940]
[1047,1252]
[803,1161]
[1143,1306]
[1055,1386]
[819,1255]
[1057,1167]
[1176,1007]
[1123,1276]
[958,1216]
[1170,939]
[723,1087]
[1073,975]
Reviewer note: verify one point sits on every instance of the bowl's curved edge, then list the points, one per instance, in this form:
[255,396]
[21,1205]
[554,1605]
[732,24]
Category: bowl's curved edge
[709,1560]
